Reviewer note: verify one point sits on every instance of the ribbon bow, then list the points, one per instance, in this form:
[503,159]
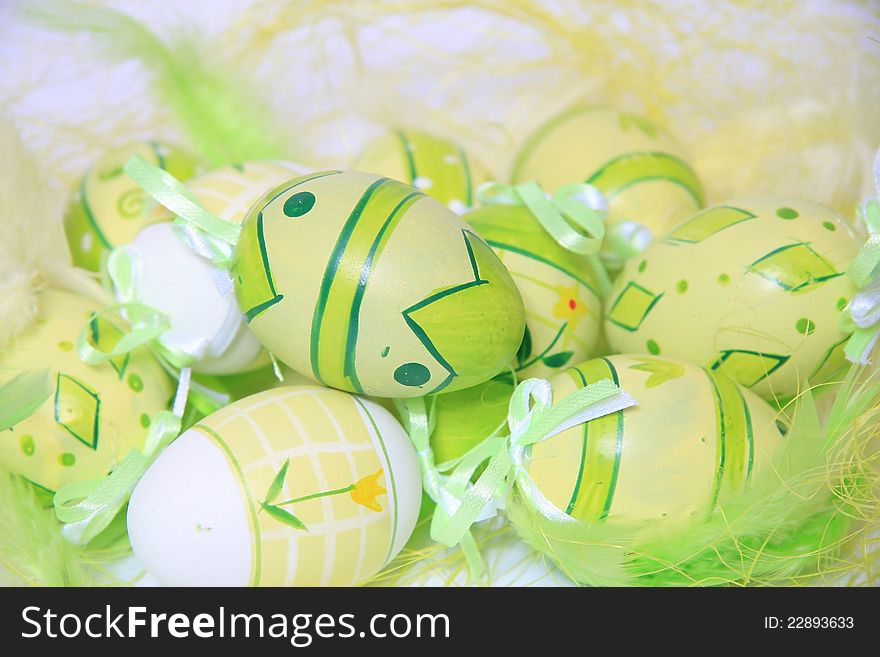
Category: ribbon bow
[88,507]
[461,503]
[864,310]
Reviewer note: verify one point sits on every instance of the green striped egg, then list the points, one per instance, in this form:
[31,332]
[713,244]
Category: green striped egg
[694,435]
[108,208]
[752,288]
[559,289]
[637,165]
[368,285]
[435,165]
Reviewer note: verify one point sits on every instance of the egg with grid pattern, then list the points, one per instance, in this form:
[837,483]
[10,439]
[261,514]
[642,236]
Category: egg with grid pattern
[435,165]
[187,287]
[752,288]
[694,435]
[294,486]
[95,414]
[108,208]
[636,164]
[560,289]
[368,285]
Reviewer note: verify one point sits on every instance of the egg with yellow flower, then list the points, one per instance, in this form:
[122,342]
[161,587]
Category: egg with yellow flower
[435,165]
[94,415]
[294,486]
[636,164]
[560,289]
[108,208]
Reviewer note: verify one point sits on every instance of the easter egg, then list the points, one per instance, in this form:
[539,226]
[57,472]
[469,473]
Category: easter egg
[183,285]
[752,288]
[560,290]
[368,285]
[464,419]
[295,486]
[108,208]
[96,414]
[636,164]
[694,434]
[437,166]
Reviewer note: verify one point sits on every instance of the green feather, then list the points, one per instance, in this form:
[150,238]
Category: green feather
[22,395]
[221,109]
[791,525]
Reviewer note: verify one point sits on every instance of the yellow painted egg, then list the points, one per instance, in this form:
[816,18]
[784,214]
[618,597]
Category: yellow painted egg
[295,486]
[636,164]
[560,290]
[435,165]
[752,288]
[368,285]
[108,208]
[694,434]
[183,285]
[96,413]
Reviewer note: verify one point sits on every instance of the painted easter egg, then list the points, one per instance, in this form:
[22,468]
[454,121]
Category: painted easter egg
[295,486]
[636,164]
[368,285]
[437,166]
[183,285]
[752,288]
[560,289]
[108,208]
[464,419]
[96,414]
[694,434]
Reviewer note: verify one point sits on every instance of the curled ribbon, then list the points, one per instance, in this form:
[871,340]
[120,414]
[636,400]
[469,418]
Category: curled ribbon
[862,316]
[88,507]
[580,204]
[461,503]
[207,235]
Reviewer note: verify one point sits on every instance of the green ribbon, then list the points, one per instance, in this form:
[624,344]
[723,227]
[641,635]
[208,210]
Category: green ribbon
[572,207]
[461,503]
[207,235]
[88,507]
[623,240]
[862,315]
[22,396]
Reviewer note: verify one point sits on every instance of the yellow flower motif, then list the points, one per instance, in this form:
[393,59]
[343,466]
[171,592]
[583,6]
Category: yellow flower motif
[569,306]
[367,489]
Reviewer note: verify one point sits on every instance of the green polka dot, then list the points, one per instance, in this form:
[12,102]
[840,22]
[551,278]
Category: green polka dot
[841,303]
[67,459]
[145,420]
[135,382]
[26,442]
[805,326]
[653,347]
[682,286]
[643,265]
[828,225]
[385,351]
[724,279]
[299,204]
[65,345]
[787,213]
[412,374]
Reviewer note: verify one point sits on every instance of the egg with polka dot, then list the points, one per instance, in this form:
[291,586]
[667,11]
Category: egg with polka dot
[108,209]
[752,288]
[560,289]
[694,437]
[95,414]
[639,166]
[183,285]
[295,486]
[369,285]
[435,165]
